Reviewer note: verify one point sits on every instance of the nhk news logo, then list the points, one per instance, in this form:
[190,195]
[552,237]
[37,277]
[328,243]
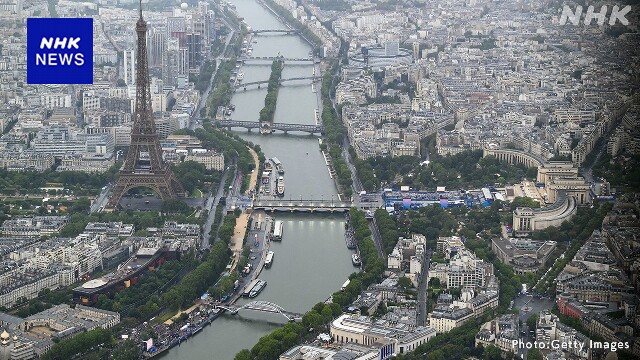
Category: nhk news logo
[59,50]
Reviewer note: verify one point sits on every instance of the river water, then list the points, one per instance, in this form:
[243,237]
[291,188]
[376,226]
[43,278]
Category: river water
[312,260]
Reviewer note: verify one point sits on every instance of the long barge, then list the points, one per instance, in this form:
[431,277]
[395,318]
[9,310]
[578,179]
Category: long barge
[269,260]
[277,230]
[248,288]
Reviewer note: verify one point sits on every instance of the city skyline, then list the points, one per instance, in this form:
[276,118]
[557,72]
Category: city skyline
[278,179]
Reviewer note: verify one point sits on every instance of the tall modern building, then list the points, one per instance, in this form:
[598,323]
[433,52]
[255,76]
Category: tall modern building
[170,61]
[176,24]
[183,61]
[208,17]
[129,67]
[157,46]
[195,51]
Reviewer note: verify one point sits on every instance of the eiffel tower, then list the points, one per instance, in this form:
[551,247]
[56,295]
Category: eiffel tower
[143,166]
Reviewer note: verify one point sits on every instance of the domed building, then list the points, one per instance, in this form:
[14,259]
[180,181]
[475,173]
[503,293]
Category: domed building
[5,345]
[13,349]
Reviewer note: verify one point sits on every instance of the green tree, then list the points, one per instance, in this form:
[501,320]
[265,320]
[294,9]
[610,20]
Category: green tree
[175,206]
[244,354]
[404,283]
[524,202]
[68,348]
[532,321]
[534,354]
[492,352]
[129,350]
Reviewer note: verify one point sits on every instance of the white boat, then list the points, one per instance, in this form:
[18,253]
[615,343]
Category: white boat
[345,284]
[265,128]
[280,186]
[240,76]
[355,259]
[278,165]
[257,289]
[277,230]
[269,260]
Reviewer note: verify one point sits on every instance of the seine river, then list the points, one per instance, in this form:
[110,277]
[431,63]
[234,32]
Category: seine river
[312,260]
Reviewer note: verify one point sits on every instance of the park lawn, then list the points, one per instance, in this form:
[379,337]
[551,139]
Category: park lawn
[196,193]
[165,315]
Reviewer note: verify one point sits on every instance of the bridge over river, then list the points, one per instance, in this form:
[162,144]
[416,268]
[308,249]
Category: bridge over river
[263,306]
[259,83]
[303,205]
[274,31]
[271,58]
[269,127]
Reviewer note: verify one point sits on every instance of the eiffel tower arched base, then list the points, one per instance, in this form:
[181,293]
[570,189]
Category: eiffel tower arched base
[165,184]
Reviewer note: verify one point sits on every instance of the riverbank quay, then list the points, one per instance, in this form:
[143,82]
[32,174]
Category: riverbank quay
[207,309]
[333,174]
[176,338]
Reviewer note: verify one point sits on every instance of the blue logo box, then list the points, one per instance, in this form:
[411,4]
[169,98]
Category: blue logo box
[60,51]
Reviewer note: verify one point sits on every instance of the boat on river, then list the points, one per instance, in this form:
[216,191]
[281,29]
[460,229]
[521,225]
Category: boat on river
[248,288]
[280,186]
[269,260]
[277,230]
[257,289]
[350,239]
[355,259]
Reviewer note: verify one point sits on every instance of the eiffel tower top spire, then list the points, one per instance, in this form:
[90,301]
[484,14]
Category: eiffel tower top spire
[143,133]
[141,25]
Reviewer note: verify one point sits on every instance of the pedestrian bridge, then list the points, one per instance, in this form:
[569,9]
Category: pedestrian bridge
[303,205]
[259,83]
[263,306]
[270,127]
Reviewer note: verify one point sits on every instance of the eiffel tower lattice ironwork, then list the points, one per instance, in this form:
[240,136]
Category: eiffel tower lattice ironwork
[143,166]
